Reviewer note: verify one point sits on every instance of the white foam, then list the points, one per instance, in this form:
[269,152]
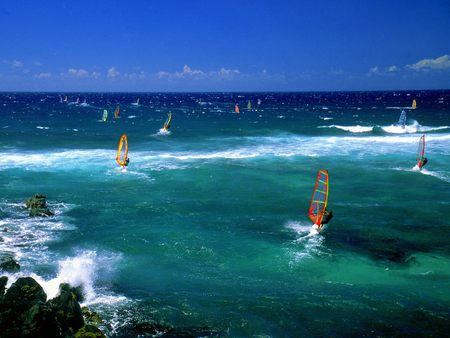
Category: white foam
[163,132]
[326,118]
[41,127]
[309,239]
[132,116]
[353,129]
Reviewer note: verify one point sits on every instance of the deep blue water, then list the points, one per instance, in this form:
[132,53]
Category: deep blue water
[208,226]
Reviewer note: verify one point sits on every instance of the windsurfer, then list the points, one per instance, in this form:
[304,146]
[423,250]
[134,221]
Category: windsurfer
[422,162]
[127,161]
[328,215]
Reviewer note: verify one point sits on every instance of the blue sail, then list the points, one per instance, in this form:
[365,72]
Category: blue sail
[402,119]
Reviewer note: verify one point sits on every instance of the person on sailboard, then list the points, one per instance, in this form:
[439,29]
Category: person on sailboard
[127,161]
[422,162]
[327,216]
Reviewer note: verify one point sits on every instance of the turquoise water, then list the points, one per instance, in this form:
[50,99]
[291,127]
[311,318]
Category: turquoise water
[208,226]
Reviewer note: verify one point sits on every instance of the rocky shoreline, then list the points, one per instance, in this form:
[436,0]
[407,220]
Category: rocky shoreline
[26,312]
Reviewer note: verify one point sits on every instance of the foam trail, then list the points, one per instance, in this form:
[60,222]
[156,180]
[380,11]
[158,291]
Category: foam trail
[353,129]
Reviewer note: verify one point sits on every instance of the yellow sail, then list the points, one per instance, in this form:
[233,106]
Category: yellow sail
[414,104]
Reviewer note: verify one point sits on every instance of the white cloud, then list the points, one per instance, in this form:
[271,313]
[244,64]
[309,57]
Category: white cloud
[43,75]
[80,74]
[392,69]
[37,63]
[112,72]
[442,62]
[189,73]
[135,76]
[374,71]
[227,73]
[16,63]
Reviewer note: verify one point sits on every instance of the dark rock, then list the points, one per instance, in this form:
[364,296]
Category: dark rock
[66,308]
[91,317]
[8,264]
[23,293]
[38,206]
[19,298]
[39,321]
[89,331]
[25,313]
[3,282]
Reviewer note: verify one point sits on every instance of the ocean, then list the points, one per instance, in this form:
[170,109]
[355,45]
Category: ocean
[208,227]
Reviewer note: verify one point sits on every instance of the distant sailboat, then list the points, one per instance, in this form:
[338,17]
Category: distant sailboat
[117,112]
[136,103]
[421,160]
[414,104]
[236,109]
[259,102]
[77,101]
[249,105]
[402,119]
[65,99]
[105,115]
[317,212]
[168,121]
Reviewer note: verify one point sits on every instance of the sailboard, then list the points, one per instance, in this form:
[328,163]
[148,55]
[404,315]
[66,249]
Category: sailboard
[249,105]
[402,119]
[421,152]
[122,151]
[167,123]
[414,104]
[236,108]
[319,198]
[117,112]
[105,115]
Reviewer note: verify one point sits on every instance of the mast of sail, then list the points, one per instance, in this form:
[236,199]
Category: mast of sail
[319,198]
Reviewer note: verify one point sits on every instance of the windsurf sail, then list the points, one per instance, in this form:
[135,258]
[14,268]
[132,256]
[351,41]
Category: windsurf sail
[65,99]
[105,115]
[236,108]
[167,123]
[259,101]
[117,112]
[421,152]
[136,103]
[122,151]
[402,119]
[319,198]
[414,104]
[249,105]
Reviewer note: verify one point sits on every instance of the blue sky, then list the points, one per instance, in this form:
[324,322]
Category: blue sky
[223,45]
